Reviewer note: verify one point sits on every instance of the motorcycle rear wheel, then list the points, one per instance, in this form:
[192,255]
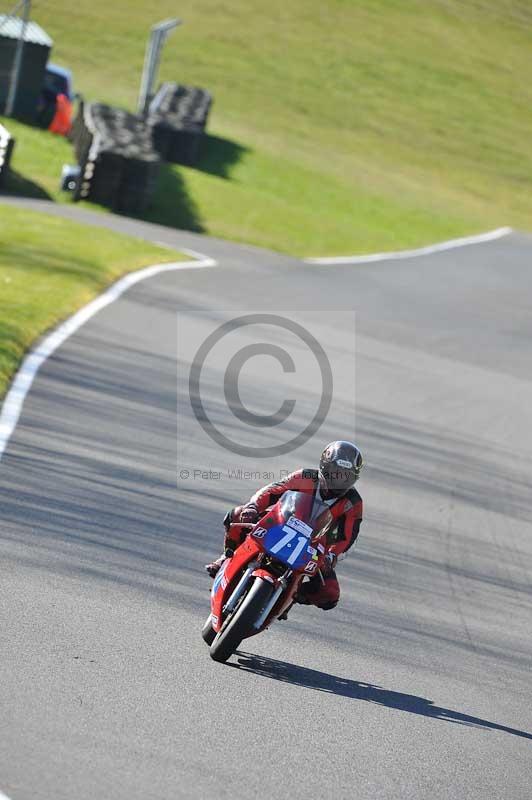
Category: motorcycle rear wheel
[207,632]
[240,624]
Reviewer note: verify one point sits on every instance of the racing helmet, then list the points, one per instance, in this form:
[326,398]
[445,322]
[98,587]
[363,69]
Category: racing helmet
[340,466]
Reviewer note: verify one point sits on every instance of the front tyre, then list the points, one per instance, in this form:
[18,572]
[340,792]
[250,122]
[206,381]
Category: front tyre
[208,633]
[241,623]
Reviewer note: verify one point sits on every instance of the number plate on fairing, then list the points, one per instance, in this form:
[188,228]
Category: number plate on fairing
[289,544]
[299,526]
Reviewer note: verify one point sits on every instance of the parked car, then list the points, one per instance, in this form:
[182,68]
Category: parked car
[55,109]
[58,80]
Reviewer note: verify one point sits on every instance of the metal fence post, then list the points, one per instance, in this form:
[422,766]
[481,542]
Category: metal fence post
[17,62]
[152,57]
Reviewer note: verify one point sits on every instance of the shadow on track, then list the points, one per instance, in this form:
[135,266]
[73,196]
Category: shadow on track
[356,690]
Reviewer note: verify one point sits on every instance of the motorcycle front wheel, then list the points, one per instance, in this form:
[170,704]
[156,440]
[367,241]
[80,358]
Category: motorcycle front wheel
[241,622]
[207,632]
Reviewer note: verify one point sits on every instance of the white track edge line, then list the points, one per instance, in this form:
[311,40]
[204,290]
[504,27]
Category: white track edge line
[450,244]
[3,796]
[11,408]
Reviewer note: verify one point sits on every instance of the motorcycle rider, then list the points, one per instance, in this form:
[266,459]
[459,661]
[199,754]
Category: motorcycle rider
[334,484]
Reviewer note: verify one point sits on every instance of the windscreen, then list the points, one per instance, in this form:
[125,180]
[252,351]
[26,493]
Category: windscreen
[306,508]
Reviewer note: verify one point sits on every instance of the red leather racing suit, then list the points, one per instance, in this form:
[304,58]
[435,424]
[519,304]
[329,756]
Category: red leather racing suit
[346,511]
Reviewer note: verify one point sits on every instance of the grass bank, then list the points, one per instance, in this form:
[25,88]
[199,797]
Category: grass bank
[339,127]
[49,268]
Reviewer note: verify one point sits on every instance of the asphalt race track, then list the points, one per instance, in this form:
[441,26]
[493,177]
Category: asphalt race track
[417,686]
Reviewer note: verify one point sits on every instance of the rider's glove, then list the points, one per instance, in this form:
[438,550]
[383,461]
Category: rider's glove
[249,514]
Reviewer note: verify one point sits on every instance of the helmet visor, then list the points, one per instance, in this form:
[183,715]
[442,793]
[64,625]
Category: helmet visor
[339,479]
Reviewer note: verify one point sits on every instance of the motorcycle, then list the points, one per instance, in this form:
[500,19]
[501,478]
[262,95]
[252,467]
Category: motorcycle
[259,583]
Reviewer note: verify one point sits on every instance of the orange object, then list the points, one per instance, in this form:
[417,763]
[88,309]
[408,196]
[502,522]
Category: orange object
[62,121]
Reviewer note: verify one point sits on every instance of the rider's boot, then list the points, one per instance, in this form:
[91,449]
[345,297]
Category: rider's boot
[215,565]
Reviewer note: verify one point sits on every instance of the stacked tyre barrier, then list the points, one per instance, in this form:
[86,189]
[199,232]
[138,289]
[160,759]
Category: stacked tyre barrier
[7,144]
[178,118]
[118,165]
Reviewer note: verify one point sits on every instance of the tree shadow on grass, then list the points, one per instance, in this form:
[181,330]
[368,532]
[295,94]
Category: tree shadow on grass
[357,690]
[57,260]
[219,156]
[17,184]
[172,205]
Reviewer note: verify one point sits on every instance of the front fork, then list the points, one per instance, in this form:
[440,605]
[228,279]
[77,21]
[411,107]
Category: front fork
[282,586]
[239,588]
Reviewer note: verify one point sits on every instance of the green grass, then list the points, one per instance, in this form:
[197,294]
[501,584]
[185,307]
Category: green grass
[50,267]
[345,126]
